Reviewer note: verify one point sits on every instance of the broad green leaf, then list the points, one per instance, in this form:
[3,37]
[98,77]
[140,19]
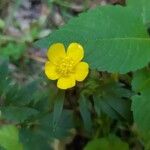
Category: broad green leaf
[141,101]
[17,114]
[114,37]
[108,143]
[113,99]
[9,138]
[85,113]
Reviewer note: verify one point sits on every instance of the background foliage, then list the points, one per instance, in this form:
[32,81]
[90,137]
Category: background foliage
[109,110]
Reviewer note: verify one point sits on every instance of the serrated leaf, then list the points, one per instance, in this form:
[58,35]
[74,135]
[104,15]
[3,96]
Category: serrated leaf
[114,37]
[113,99]
[9,138]
[111,142]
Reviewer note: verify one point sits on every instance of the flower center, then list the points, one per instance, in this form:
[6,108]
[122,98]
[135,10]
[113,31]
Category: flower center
[65,66]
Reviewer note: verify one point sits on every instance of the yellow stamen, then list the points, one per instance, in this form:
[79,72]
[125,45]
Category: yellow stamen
[65,66]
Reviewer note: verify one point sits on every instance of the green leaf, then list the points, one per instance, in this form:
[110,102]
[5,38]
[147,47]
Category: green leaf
[85,113]
[113,99]
[58,107]
[141,7]
[25,94]
[9,138]
[63,128]
[34,139]
[141,101]
[114,37]
[44,100]
[17,114]
[111,142]
[141,80]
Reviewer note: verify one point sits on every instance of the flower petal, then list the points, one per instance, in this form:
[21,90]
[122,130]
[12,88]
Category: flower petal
[81,71]
[56,52]
[76,52]
[66,82]
[50,71]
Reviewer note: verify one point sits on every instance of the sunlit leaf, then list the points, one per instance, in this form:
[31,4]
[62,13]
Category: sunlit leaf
[108,143]
[9,138]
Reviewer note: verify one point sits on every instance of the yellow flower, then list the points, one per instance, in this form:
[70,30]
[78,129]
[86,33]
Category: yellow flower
[67,67]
